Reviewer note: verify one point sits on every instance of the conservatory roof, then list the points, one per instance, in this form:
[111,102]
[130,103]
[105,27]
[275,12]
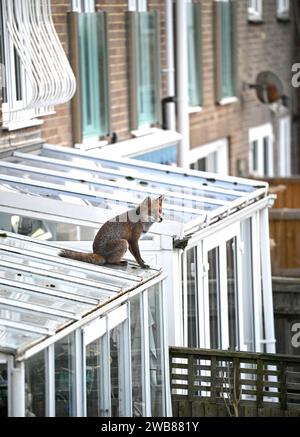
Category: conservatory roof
[70,176]
[42,294]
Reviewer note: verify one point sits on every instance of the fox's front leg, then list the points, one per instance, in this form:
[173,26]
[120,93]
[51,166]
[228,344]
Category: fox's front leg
[135,251]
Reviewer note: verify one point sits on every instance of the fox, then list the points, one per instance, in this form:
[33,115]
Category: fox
[121,233]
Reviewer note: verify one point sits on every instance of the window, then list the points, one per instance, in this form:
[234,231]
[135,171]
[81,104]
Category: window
[225,51]
[194,53]
[212,157]
[261,151]
[283,9]
[144,43]
[284,146]
[38,74]
[255,10]
[89,55]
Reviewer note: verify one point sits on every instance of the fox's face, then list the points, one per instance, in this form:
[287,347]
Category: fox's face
[151,209]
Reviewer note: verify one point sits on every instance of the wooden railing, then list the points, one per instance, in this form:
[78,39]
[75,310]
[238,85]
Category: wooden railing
[224,383]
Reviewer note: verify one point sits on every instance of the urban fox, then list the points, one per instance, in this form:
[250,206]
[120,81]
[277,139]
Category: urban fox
[121,233]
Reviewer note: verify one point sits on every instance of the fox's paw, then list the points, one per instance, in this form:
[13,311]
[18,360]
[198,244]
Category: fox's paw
[123,263]
[145,266]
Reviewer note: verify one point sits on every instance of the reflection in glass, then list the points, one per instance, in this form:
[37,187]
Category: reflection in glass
[138,401]
[192,298]
[35,379]
[65,377]
[156,352]
[214,298]
[232,293]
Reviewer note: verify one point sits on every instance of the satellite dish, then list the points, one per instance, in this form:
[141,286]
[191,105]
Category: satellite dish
[269,89]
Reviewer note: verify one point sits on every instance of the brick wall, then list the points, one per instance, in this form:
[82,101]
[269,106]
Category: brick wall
[266,46]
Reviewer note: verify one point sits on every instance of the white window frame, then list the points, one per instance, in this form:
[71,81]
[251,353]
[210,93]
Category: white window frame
[284,142]
[217,148]
[255,10]
[83,5]
[214,241]
[257,134]
[137,5]
[283,9]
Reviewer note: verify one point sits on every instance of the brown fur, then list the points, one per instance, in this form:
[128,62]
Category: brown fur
[121,233]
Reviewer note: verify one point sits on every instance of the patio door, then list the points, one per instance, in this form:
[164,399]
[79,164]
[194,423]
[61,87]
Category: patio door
[222,290]
[107,358]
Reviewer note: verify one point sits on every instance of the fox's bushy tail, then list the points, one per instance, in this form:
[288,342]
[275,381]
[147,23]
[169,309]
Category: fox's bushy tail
[92,258]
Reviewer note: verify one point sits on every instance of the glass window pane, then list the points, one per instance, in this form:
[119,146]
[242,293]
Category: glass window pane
[35,385]
[157,378]
[254,146]
[266,155]
[117,376]
[232,293]
[248,302]
[192,298]
[194,64]
[94,380]
[227,54]
[214,298]
[94,73]
[137,364]
[148,53]
[65,377]
[3,390]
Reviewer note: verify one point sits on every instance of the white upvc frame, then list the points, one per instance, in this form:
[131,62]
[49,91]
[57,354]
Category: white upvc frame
[257,135]
[216,149]
[219,241]
[137,5]
[284,138]
[255,10]
[283,9]
[83,5]
[99,330]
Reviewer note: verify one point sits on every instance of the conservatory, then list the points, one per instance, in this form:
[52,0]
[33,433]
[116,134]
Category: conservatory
[213,243]
[79,340]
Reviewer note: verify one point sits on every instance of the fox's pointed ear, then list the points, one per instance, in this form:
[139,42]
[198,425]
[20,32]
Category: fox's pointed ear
[147,200]
[161,198]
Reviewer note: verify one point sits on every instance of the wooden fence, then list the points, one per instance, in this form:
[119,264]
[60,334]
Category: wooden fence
[285,226]
[224,383]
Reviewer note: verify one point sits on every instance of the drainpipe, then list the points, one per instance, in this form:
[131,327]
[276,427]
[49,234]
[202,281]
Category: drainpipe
[170,70]
[182,85]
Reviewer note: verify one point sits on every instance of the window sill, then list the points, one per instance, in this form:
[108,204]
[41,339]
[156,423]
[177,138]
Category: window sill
[195,109]
[228,101]
[144,131]
[22,124]
[255,19]
[283,17]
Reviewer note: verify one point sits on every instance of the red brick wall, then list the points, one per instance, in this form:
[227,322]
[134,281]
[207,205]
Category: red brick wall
[260,47]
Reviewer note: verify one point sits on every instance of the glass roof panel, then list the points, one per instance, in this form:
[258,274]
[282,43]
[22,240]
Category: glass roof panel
[100,173]
[65,287]
[172,176]
[57,268]
[91,199]
[12,339]
[43,300]
[30,317]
